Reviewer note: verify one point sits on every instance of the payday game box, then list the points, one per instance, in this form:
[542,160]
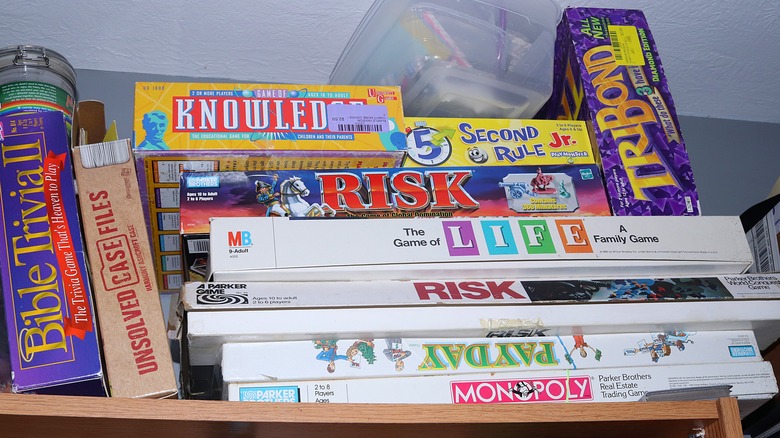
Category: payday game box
[366,357]
[551,190]
[49,313]
[608,72]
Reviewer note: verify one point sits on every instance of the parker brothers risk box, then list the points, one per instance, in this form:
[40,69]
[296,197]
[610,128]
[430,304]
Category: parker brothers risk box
[49,313]
[608,72]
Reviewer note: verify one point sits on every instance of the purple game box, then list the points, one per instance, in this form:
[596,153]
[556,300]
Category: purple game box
[49,314]
[608,73]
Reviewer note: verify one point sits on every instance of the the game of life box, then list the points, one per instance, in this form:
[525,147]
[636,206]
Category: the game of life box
[274,248]
[752,383]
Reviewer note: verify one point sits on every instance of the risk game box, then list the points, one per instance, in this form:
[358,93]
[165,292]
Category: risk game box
[205,296]
[53,340]
[608,72]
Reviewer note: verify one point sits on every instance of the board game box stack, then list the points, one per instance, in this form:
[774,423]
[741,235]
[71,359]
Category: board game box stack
[541,168]
[251,127]
[608,72]
[500,191]
[295,297]
[216,313]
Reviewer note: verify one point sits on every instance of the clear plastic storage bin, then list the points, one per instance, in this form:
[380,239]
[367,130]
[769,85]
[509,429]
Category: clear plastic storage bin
[456,58]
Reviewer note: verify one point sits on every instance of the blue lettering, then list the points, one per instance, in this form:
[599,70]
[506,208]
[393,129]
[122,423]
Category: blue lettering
[468,137]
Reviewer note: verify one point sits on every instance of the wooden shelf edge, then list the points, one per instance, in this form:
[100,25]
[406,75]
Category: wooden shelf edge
[223,411]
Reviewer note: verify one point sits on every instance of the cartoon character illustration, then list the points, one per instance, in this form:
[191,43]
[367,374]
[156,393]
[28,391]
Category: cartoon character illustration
[292,191]
[329,353]
[365,349]
[678,339]
[155,123]
[661,345]
[541,182]
[477,155]
[523,389]
[266,194]
[581,345]
[395,353]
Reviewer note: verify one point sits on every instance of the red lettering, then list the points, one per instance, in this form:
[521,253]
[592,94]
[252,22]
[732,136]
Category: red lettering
[341,190]
[234,238]
[377,194]
[448,192]
[470,290]
[411,193]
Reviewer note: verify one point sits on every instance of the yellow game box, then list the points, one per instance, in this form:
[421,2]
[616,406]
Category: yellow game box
[432,141]
[230,116]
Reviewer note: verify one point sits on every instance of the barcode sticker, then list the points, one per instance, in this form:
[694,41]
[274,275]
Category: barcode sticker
[198,246]
[104,154]
[625,45]
[764,245]
[357,118]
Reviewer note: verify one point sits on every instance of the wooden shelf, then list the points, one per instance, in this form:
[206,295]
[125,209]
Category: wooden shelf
[46,416]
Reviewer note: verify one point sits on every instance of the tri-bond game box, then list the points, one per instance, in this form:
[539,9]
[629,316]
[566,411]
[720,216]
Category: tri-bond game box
[608,72]
[49,313]
[435,141]
[230,116]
